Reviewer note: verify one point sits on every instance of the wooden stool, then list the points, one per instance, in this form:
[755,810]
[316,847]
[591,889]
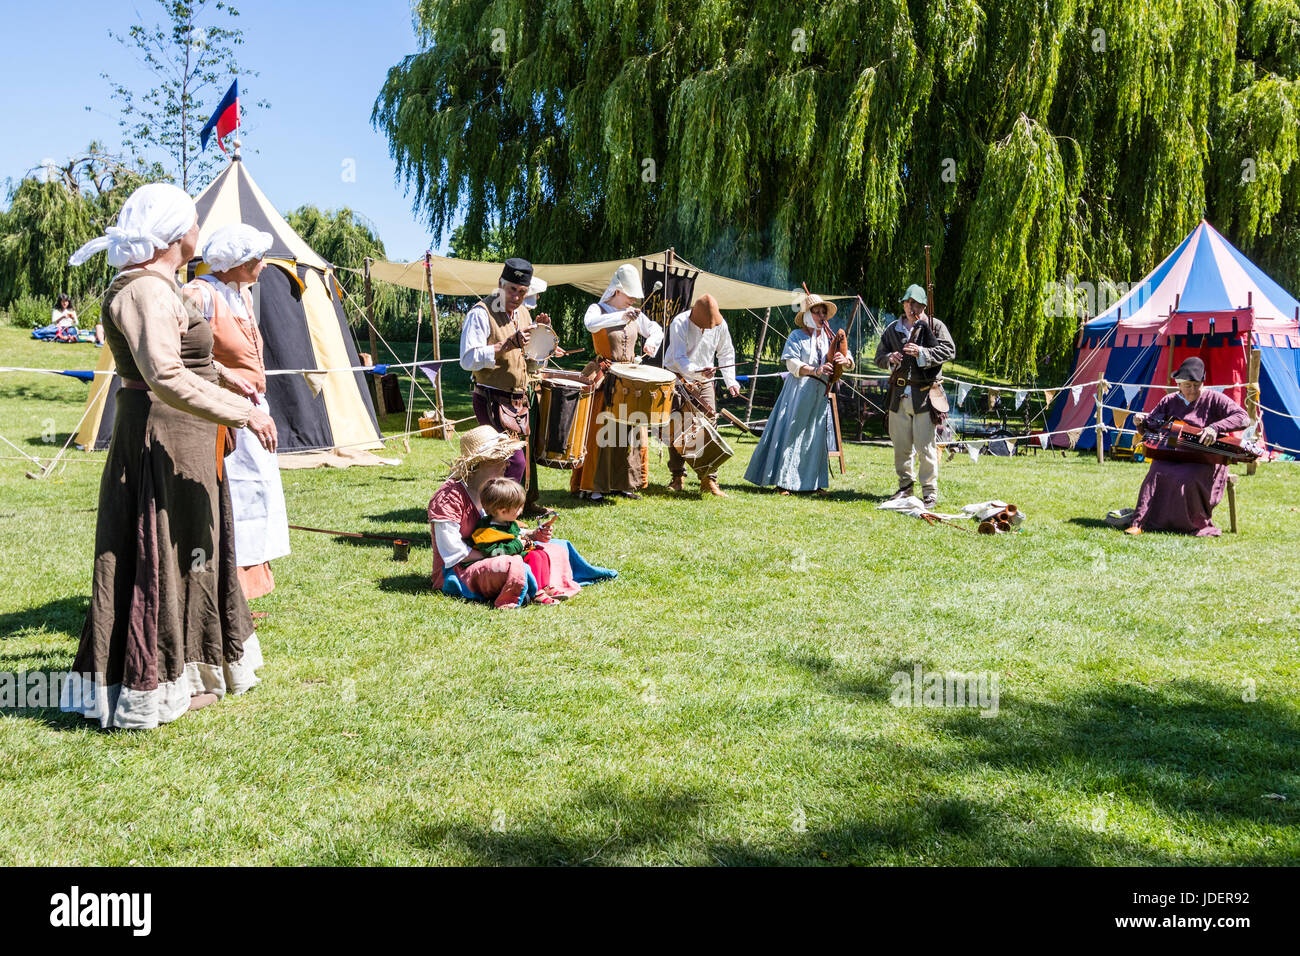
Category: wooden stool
[1232,502]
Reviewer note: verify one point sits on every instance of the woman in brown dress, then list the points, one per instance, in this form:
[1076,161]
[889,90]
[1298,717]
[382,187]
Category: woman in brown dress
[168,629]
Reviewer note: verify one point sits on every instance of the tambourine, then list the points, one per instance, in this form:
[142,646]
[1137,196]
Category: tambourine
[542,342]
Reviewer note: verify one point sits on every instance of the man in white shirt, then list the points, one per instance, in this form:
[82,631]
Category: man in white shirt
[699,346]
[492,344]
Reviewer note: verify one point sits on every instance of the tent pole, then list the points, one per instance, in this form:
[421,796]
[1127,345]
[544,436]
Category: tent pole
[437,339]
[1101,431]
[377,384]
[758,353]
[1252,394]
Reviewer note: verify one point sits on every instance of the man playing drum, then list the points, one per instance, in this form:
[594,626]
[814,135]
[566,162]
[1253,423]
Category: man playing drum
[614,323]
[699,347]
[492,342]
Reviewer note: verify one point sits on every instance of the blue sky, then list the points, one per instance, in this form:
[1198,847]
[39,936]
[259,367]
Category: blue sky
[321,67]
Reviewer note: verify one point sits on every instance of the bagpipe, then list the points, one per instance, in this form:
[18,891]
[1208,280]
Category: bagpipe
[1172,439]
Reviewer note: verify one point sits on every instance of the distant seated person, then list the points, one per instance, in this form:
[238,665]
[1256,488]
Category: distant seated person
[1181,495]
[498,533]
[64,319]
[456,513]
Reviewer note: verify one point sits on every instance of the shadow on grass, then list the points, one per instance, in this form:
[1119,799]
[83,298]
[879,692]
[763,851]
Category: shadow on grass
[1091,523]
[408,516]
[414,583]
[65,615]
[624,822]
[1184,746]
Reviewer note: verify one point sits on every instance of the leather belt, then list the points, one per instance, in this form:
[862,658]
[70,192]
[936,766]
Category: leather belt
[136,384]
[489,391]
[900,381]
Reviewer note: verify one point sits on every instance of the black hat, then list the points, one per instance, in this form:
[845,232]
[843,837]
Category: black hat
[518,271]
[1192,370]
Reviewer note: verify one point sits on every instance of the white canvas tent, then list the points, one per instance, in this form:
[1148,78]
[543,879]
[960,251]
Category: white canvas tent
[466,277]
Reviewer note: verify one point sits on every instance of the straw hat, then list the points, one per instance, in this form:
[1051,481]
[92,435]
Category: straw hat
[480,444]
[806,305]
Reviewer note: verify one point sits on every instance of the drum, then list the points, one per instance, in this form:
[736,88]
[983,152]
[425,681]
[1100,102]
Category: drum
[702,445]
[563,416]
[542,341]
[640,394]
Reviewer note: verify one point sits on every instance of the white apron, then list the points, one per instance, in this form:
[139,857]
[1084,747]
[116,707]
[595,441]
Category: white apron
[257,499]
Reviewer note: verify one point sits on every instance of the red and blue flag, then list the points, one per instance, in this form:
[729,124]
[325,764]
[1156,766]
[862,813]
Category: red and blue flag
[224,119]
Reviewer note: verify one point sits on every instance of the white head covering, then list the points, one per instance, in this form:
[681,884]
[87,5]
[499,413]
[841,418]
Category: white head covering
[626,279]
[234,245]
[535,288]
[152,218]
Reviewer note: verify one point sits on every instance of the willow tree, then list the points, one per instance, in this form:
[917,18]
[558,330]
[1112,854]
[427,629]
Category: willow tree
[1032,145]
[346,239]
[51,212]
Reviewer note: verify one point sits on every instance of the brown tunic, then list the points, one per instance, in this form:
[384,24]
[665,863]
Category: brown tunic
[511,371]
[167,618]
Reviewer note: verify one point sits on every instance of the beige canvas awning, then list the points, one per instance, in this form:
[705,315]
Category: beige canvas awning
[465,277]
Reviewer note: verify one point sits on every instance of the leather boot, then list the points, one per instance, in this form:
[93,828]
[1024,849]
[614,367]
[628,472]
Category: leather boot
[709,486]
[677,483]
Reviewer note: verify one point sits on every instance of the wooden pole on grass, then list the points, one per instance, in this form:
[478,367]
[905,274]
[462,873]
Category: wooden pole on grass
[380,407]
[1252,396]
[437,342]
[1101,430]
[758,352]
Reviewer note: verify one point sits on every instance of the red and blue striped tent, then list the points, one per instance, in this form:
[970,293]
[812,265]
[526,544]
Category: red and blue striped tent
[1206,299]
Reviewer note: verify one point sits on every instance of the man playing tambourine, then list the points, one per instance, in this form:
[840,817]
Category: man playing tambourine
[492,342]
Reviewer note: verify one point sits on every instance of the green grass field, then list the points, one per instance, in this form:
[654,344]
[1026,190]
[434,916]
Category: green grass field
[726,700]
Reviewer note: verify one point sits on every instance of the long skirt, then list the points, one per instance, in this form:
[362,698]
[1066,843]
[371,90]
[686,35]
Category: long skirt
[261,521]
[617,455]
[1180,496]
[792,452]
[167,618]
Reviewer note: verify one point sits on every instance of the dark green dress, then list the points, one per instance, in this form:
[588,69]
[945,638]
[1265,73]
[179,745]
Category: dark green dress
[167,617]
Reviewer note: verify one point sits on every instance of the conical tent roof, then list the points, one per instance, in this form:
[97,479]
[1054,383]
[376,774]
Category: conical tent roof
[1205,299]
[234,197]
[303,326]
[1204,275]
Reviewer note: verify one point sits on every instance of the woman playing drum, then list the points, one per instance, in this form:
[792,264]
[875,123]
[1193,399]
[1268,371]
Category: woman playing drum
[614,323]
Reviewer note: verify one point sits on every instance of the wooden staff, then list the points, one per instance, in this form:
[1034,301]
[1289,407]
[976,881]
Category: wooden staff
[758,352]
[377,381]
[1101,431]
[437,344]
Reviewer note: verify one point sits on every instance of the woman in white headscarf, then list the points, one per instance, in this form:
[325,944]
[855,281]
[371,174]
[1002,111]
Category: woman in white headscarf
[235,255]
[615,323]
[168,629]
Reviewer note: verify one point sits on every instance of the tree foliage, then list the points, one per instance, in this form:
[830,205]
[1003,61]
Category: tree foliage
[829,141]
[193,58]
[345,238]
[53,211]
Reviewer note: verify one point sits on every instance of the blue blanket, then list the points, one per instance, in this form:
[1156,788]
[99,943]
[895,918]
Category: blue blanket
[584,573]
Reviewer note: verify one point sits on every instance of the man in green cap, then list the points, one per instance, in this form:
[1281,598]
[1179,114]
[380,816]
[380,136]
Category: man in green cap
[914,349]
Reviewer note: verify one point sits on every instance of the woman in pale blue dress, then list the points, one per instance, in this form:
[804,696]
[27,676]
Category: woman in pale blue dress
[792,452]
